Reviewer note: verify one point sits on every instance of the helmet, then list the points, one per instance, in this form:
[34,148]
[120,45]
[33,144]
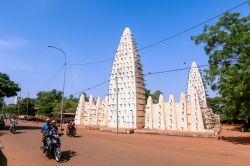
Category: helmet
[47,120]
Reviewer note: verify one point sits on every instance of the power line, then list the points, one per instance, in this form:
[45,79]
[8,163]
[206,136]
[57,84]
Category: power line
[149,73]
[145,47]
[47,83]
[172,70]
[92,87]
[91,63]
[167,38]
[191,28]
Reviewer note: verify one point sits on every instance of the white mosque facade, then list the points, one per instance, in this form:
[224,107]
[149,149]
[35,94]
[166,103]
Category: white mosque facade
[125,106]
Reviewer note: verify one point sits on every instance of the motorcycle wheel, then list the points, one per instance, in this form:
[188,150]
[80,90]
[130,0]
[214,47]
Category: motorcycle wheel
[12,130]
[57,153]
[46,152]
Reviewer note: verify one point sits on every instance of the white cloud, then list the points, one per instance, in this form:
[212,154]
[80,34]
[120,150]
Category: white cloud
[10,62]
[14,42]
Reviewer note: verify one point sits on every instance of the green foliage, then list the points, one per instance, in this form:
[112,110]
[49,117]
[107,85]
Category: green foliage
[147,94]
[69,105]
[23,106]
[155,95]
[7,88]
[10,109]
[47,101]
[216,104]
[227,44]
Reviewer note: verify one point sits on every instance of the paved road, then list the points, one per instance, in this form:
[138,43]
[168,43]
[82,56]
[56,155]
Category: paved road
[95,148]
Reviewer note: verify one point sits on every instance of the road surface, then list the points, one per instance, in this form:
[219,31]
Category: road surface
[95,148]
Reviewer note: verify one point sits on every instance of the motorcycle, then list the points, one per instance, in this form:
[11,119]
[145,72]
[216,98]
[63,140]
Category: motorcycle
[13,127]
[71,131]
[52,146]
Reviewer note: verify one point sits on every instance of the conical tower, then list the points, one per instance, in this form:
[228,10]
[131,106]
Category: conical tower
[195,80]
[127,89]
[80,110]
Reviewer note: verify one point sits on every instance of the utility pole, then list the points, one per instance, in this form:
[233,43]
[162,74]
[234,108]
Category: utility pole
[116,104]
[18,108]
[19,100]
[27,110]
[3,106]
[64,78]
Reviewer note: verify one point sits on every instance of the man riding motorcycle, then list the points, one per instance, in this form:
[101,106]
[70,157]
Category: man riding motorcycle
[51,140]
[45,130]
[71,128]
[13,124]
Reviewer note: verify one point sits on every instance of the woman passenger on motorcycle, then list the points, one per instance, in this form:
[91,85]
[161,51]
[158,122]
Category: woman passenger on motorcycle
[53,125]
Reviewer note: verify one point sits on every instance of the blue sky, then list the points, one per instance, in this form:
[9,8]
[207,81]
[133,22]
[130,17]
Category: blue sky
[90,30]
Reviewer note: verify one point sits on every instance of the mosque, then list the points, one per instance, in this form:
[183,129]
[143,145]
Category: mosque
[126,108]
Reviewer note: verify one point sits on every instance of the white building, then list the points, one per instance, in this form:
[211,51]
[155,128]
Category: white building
[127,97]
[126,88]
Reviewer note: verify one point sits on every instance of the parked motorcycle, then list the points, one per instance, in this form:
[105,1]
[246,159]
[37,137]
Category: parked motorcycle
[52,146]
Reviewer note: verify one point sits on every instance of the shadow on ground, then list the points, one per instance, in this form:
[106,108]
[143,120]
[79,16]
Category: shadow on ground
[3,159]
[1,133]
[23,128]
[67,155]
[28,127]
[237,140]
[19,132]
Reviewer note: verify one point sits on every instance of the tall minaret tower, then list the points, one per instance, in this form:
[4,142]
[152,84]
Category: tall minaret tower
[126,88]
[195,80]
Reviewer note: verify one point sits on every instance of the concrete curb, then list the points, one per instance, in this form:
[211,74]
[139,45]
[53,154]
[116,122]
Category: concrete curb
[208,134]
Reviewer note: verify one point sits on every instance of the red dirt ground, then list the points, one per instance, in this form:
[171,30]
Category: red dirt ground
[95,148]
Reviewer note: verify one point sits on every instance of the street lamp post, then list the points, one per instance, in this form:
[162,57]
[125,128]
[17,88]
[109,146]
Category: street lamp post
[51,46]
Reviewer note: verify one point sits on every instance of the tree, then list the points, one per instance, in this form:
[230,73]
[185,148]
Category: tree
[147,94]
[11,109]
[7,87]
[69,106]
[23,106]
[227,44]
[155,96]
[47,101]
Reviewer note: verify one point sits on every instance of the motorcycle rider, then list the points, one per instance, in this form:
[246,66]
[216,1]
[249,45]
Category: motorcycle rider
[13,122]
[71,125]
[45,130]
[53,125]
[71,128]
